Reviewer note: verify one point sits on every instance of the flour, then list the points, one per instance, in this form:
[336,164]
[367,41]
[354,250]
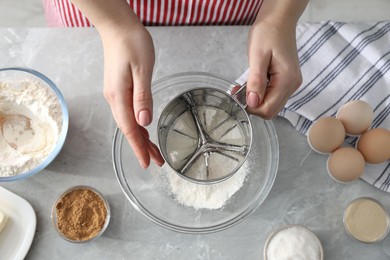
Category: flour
[198,196]
[30,122]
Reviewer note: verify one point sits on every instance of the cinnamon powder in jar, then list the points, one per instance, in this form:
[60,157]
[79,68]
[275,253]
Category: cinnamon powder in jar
[81,214]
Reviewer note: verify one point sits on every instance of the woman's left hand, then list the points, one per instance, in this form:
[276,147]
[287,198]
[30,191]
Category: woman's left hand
[274,70]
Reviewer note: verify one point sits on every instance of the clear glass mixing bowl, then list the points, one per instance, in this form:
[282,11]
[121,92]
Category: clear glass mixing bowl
[149,192]
[20,73]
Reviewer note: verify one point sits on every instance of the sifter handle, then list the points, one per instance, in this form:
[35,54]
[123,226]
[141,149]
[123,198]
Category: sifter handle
[240,94]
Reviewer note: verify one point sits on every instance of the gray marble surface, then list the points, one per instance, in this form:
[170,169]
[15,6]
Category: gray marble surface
[303,193]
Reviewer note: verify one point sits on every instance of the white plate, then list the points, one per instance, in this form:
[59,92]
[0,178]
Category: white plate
[18,234]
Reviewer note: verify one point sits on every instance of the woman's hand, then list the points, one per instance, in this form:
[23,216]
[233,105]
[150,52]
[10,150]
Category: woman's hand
[128,68]
[274,71]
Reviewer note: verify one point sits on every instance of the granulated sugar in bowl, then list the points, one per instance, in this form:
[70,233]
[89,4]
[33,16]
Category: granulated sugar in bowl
[293,242]
[183,206]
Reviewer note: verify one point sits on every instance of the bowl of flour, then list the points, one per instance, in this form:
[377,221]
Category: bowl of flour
[175,203]
[33,122]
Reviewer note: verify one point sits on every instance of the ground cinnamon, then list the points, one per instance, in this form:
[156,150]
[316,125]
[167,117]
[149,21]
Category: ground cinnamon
[81,214]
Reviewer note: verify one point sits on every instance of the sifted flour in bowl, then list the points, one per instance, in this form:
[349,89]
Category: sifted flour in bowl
[198,196]
[30,122]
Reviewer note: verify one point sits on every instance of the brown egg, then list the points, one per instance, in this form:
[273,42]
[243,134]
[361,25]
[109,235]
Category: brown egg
[346,164]
[375,145]
[356,116]
[326,135]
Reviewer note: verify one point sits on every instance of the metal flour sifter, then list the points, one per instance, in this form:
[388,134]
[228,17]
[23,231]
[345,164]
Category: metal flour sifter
[205,134]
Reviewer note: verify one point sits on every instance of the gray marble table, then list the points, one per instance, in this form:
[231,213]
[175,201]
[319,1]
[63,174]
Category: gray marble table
[303,192]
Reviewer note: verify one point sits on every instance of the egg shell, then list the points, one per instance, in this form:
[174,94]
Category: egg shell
[326,135]
[375,145]
[356,116]
[346,164]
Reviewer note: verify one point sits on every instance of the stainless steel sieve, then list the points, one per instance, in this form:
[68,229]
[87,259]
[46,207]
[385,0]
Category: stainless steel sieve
[205,134]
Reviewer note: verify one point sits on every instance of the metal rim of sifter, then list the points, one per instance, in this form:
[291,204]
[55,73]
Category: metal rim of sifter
[205,144]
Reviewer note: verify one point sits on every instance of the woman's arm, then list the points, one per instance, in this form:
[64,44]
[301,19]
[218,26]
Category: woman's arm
[108,14]
[128,67]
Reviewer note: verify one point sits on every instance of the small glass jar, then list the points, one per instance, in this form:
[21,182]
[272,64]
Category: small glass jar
[54,215]
[366,220]
[289,231]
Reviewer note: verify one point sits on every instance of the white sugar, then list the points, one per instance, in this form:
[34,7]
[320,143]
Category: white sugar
[294,243]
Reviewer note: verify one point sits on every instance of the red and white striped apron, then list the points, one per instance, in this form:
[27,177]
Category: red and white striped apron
[62,13]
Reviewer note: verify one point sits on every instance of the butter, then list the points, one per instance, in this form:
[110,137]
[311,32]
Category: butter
[3,220]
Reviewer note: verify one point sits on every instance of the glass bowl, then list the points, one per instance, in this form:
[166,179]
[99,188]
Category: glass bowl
[366,220]
[81,187]
[302,229]
[18,73]
[149,191]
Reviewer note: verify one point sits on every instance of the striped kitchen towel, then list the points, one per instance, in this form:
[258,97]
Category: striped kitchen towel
[341,62]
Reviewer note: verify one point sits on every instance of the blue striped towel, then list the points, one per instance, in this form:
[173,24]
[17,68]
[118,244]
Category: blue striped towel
[341,62]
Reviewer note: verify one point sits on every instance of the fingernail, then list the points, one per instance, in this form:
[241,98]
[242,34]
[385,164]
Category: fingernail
[143,164]
[252,100]
[144,117]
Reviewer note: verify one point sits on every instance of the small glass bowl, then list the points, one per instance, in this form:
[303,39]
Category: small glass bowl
[18,73]
[356,237]
[54,214]
[284,227]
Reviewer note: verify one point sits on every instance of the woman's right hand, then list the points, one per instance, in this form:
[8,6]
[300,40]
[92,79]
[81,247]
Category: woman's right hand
[128,68]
